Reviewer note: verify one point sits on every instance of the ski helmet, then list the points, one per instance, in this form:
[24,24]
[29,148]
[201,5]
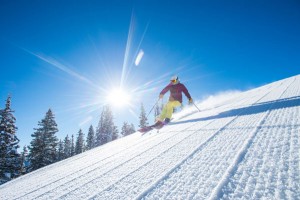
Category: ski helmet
[174,79]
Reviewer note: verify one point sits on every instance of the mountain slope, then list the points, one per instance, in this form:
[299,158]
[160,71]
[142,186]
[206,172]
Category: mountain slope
[245,148]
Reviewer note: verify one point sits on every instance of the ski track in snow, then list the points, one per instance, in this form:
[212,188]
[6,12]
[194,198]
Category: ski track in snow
[243,148]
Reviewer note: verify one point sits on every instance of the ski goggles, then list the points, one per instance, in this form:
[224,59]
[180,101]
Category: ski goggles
[174,81]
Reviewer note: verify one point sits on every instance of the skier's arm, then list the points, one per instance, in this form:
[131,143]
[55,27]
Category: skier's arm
[186,92]
[165,90]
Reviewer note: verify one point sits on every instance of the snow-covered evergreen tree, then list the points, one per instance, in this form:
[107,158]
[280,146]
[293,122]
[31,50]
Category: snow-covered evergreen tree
[67,147]
[79,147]
[131,129]
[157,110]
[25,160]
[124,129]
[99,130]
[90,140]
[10,159]
[106,130]
[60,153]
[143,118]
[72,146]
[115,133]
[127,129]
[43,149]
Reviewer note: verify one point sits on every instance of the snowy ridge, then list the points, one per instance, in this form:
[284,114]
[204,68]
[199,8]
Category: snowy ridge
[246,147]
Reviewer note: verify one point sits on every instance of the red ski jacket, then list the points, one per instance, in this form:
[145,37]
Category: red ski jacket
[175,92]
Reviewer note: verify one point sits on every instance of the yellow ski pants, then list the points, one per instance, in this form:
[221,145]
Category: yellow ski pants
[168,109]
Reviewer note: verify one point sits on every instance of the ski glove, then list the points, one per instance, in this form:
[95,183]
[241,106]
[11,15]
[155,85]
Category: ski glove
[161,96]
[190,100]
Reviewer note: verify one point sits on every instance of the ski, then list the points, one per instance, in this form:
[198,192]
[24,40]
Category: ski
[157,125]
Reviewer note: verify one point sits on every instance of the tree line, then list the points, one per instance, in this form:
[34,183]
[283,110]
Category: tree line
[45,148]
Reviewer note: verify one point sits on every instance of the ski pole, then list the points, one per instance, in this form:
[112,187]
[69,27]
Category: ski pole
[153,107]
[196,107]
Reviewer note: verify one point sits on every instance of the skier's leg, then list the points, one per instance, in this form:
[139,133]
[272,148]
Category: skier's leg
[168,110]
[170,107]
[163,113]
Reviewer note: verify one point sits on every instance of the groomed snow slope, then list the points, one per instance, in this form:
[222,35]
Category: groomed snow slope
[245,148]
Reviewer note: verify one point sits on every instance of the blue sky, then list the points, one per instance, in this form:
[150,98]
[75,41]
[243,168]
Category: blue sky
[66,55]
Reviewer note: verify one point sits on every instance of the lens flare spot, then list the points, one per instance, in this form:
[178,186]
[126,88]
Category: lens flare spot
[139,57]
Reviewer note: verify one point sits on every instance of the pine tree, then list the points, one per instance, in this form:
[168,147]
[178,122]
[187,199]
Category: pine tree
[157,110]
[99,130]
[43,146]
[24,160]
[67,147]
[36,151]
[60,153]
[90,140]
[106,130]
[72,146]
[127,129]
[10,159]
[115,133]
[143,118]
[124,129]
[79,148]
[131,129]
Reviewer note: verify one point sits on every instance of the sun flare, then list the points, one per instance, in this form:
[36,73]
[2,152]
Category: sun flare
[118,98]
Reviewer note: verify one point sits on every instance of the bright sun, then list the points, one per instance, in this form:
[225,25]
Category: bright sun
[118,98]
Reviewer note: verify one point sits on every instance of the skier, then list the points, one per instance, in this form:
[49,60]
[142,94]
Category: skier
[175,99]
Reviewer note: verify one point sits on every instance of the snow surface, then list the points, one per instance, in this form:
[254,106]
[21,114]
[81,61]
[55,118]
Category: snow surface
[246,147]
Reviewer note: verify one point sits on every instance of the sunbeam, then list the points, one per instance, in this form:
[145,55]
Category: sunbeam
[126,69]
[127,50]
[138,48]
[64,68]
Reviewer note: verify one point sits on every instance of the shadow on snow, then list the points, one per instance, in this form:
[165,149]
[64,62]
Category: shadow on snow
[252,109]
